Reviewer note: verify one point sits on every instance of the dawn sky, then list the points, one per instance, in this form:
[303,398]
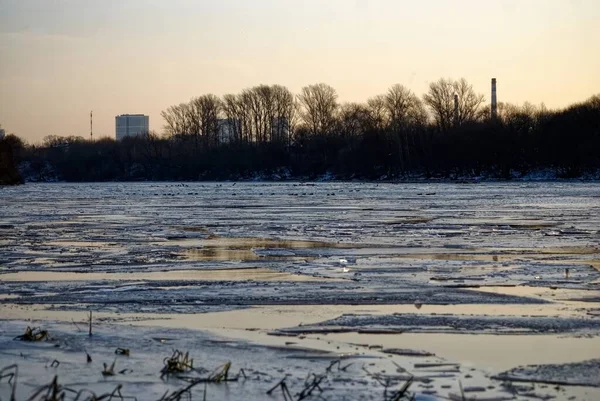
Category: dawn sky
[59,59]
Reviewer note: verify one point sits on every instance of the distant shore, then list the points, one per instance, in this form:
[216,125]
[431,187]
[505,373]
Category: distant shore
[544,175]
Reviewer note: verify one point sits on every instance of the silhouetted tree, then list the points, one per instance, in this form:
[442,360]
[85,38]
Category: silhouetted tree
[377,111]
[406,114]
[318,108]
[440,98]
[235,112]
[389,136]
[204,119]
[177,120]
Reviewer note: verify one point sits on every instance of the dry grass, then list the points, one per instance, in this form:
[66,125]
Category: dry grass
[181,366]
[177,363]
[109,370]
[122,351]
[33,335]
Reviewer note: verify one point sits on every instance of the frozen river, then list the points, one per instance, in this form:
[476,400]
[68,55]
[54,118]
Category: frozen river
[372,243]
[271,261]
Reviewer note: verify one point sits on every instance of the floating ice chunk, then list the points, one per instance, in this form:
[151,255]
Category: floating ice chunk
[425,397]
[273,252]
[407,352]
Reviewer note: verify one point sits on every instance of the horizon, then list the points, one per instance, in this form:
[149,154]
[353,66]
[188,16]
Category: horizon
[160,129]
[65,59]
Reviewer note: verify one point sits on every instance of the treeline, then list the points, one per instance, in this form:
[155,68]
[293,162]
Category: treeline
[269,131]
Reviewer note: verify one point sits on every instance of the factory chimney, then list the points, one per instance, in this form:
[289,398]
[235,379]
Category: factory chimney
[494,100]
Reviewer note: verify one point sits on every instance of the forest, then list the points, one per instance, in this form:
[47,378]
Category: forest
[267,132]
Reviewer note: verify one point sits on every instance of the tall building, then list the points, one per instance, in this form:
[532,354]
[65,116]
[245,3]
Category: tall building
[131,125]
[2,133]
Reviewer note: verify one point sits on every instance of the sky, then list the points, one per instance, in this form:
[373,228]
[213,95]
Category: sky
[60,59]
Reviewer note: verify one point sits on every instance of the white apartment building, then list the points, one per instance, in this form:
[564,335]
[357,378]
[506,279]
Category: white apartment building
[127,125]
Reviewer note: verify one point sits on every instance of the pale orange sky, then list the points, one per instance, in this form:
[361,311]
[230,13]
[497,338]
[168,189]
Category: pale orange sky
[59,59]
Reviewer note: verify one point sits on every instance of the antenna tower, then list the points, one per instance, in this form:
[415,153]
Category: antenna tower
[91,126]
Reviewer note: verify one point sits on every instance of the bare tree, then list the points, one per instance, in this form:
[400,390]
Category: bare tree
[177,120]
[377,112]
[354,120]
[594,102]
[235,113]
[261,114]
[405,113]
[440,98]
[284,107]
[204,118]
[403,107]
[262,105]
[469,102]
[319,107]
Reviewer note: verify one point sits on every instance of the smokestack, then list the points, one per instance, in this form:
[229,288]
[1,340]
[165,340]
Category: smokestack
[494,100]
[455,109]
